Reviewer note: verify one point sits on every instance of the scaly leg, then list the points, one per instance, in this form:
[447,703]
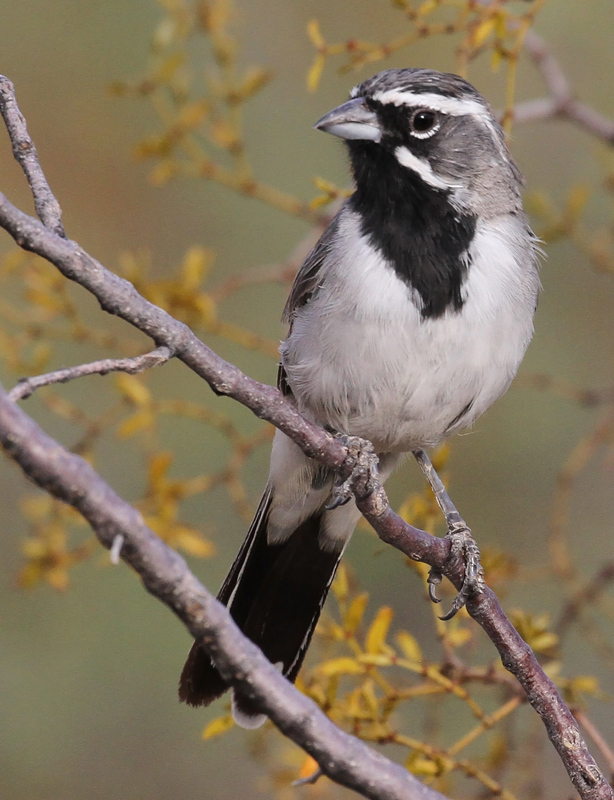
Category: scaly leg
[462,542]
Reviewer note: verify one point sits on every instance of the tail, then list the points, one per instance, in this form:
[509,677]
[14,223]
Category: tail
[275,594]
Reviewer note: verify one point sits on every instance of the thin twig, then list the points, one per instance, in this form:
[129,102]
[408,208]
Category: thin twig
[561,101]
[516,655]
[47,207]
[310,779]
[165,574]
[274,273]
[132,366]
[585,596]
[541,382]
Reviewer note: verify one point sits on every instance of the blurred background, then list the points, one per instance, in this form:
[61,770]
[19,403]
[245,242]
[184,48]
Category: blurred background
[88,670]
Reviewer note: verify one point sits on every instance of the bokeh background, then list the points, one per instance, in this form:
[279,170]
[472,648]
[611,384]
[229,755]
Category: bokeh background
[88,676]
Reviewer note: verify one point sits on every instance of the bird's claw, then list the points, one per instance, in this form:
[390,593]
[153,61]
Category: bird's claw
[361,463]
[462,545]
[340,495]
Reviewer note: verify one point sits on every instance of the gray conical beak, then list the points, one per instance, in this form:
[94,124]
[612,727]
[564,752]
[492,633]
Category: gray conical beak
[352,120]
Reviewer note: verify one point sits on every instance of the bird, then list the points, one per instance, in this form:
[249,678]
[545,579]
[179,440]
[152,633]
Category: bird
[408,319]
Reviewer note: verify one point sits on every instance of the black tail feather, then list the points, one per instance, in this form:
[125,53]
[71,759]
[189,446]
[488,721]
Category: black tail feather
[275,594]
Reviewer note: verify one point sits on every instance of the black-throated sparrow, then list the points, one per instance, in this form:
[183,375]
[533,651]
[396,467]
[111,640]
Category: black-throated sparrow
[407,320]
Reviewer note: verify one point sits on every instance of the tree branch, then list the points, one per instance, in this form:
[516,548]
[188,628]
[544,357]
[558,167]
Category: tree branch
[516,655]
[47,207]
[164,573]
[561,101]
[27,386]
[601,744]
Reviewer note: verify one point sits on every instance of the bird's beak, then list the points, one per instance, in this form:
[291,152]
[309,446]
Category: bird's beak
[352,120]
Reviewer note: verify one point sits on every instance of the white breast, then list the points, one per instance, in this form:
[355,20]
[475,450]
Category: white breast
[362,360]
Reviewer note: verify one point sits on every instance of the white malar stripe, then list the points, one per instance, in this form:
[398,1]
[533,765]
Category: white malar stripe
[455,106]
[423,169]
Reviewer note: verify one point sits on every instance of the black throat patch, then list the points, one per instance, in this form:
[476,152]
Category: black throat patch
[413,225]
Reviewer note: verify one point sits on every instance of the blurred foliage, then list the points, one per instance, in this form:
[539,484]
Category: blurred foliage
[372,679]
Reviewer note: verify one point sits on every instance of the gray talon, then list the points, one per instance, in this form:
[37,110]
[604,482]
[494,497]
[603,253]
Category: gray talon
[362,463]
[433,580]
[464,546]
[339,497]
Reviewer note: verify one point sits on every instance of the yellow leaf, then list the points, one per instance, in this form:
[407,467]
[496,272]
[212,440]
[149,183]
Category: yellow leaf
[378,631]
[341,666]
[375,660]
[483,31]
[340,584]
[310,765]
[132,389]
[169,67]
[421,765]
[224,134]
[353,706]
[409,646]
[193,267]
[495,59]
[374,731]
[501,24]
[335,631]
[40,357]
[218,726]
[368,692]
[332,686]
[30,575]
[36,507]
[543,642]
[441,456]
[137,422]
[427,7]
[320,201]
[458,637]
[158,467]
[576,200]
[206,308]
[58,579]
[315,73]
[34,548]
[194,544]
[162,173]
[13,261]
[324,186]
[193,114]
[44,300]
[355,612]
[254,80]
[315,34]
[152,147]
[584,683]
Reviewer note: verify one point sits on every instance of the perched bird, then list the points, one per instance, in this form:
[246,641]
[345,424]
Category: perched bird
[409,318]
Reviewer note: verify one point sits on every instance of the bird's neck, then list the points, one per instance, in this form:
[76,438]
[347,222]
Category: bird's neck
[422,236]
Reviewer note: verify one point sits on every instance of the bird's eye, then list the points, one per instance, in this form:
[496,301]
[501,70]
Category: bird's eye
[423,123]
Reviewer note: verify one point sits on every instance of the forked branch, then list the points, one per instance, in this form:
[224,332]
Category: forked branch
[27,386]
[165,574]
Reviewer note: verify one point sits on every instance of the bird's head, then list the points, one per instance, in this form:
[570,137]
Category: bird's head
[431,131]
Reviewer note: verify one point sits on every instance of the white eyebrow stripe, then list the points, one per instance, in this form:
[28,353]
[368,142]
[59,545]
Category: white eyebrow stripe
[422,168]
[455,106]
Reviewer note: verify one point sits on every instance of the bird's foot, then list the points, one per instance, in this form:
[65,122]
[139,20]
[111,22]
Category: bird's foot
[361,462]
[462,546]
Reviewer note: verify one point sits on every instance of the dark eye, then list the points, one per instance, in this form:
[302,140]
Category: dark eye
[424,123]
